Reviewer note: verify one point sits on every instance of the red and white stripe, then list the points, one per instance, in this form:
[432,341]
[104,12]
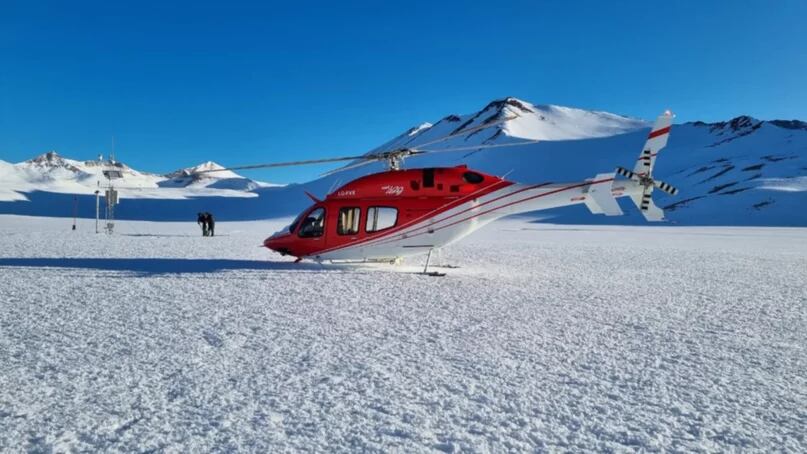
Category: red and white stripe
[450,223]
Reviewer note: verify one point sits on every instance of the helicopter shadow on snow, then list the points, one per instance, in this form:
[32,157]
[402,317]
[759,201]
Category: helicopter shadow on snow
[159,266]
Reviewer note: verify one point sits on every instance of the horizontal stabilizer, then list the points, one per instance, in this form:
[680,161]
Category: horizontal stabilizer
[599,198]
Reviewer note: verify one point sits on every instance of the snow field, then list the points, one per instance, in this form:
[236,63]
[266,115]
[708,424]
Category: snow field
[548,338]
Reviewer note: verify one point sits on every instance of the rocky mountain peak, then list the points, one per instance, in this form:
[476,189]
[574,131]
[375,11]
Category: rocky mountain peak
[515,103]
[197,172]
[50,157]
[52,160]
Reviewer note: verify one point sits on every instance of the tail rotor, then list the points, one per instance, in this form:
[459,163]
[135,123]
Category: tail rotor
[647,181]
[642,172]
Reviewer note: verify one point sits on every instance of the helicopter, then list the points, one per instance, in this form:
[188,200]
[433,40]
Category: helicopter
[398,212]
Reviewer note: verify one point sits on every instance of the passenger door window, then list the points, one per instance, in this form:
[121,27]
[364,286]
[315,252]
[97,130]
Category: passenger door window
[348,221]
[381,218]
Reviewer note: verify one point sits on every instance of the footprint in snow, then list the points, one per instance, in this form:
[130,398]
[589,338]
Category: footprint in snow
[213,339]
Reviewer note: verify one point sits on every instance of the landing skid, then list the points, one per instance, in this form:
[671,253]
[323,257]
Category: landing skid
[394,261]
[426,271]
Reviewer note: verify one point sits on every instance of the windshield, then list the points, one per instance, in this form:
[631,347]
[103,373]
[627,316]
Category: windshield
[313,225]
[290,228]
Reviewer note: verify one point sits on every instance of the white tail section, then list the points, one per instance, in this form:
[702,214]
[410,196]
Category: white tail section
[642,174]
[599,198]
[656,140]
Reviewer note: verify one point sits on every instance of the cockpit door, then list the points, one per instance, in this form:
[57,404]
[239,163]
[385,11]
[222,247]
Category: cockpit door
[312,228]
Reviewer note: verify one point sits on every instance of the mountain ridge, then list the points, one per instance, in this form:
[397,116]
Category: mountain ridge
[52,172]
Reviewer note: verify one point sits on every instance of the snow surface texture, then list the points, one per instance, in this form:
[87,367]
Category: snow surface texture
[547,338]
[739,172]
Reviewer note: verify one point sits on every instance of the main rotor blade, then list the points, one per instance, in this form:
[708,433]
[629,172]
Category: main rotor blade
[467,131]
[377,156]
[349,167]
[417,151]
[287,164]
[479,147]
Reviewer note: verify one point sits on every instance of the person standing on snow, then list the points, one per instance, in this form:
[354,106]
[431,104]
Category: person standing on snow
[211,224]
[201,219]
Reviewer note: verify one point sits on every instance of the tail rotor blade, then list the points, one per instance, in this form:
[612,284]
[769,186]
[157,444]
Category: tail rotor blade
[669,189]
[647,198]
[627,173]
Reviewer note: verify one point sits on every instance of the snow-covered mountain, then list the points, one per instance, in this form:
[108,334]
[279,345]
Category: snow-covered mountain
[211,175]
[742,171]
[50,172]
[527,121]
[748,170]
[209,166]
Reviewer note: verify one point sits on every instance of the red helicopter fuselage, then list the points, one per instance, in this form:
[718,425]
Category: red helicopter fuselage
[377,206]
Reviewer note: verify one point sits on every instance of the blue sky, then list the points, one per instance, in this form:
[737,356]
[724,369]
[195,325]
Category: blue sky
[179,83]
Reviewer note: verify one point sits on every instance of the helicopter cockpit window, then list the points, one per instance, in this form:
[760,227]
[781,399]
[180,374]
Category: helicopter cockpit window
[380,218]
[293,226]
[313,225]
[348,221]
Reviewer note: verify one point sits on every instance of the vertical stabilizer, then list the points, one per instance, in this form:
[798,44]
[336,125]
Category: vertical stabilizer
[656,140]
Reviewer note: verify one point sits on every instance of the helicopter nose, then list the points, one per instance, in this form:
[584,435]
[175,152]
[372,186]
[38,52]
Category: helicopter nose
[268,243]
[276,245]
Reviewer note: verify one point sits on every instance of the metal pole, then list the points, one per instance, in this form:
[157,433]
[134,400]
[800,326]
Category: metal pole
[106,210]
[75,210]
[111,202]
[97,207]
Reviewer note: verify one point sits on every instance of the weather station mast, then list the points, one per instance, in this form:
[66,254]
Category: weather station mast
[111,171]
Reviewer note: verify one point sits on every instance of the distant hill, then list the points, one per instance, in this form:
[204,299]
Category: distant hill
[742,171]
[50,172]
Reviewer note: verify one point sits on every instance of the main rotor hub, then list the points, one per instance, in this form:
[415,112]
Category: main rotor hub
[394,162]
[396,158]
